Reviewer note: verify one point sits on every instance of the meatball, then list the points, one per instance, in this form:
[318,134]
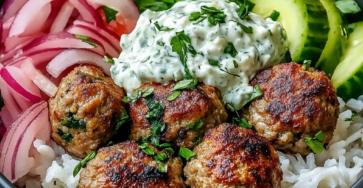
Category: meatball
[230,156]
[85,110]
[124,165]
[295,104]
[186,118]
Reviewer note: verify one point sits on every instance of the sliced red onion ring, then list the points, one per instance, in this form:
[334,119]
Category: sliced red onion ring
[62,18]
[69,58]
[16,79]
[6,28]
[108,35]
[126,9]
[31,18]
[87,12]
[51,41]
[15,162]
[38,57]
[10,102]
[83,30]
[10,8]
[14,43]
[38,78]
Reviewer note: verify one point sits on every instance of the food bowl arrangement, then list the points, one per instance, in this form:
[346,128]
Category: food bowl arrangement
[194,93]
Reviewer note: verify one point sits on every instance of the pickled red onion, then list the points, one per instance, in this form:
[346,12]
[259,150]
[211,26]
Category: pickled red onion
[62,18]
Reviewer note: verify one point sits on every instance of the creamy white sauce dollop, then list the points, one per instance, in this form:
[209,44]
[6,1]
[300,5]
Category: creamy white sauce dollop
[143,60]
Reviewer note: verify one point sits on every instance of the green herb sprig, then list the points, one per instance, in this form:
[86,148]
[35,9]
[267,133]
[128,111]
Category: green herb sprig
[257,92]
[84,162]
[316,143]
[86,40]
[214,16]
[110,14]
[73,123]
[67,137]
[274,15]
[186,153]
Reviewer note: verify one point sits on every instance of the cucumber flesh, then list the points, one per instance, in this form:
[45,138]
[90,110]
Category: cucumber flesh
[348,76]
[334,48]
[306,24]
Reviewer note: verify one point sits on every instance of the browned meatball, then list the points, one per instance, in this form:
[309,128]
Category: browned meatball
[295,104]
[85,110]
[125,166]
[231,157]
[203,108]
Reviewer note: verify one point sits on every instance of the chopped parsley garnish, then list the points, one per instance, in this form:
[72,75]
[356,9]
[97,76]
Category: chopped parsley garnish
[351,118]
[162,167]
[316,143]
[186,153]
[2,103]
[307,65]
[148,92]
[136,94]
[125,99]
[160,43]
[185,84]
[200,88]
[216,63]
[86,40]
[244,8]
[170,150]
[84,162]
[235,64]
[174,95]
[73,123]
[196,126]
[244,28]
[158,157]
[124,119]
[146,149]
[257,92]
[230,49]
[110,14]
[162,28]
[67,137]
[348,6]
[181,44]
[241,122]
[199,140]
[154,5]
[214,16]
[275,15]
[109,60]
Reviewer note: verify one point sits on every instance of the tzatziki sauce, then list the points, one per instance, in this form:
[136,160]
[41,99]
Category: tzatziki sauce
[147,54]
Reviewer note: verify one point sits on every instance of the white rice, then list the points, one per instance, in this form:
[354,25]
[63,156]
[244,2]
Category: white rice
[339,166]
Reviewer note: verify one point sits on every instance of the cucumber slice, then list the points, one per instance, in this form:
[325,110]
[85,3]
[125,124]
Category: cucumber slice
[334,48]
[348,76]
[306,24]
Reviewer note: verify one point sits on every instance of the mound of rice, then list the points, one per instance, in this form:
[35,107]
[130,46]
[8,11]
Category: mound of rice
[339,166]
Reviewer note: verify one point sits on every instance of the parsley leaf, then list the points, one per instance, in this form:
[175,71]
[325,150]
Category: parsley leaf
[67,137]
[124,119]
[154,5]
[244,8]
[241,122]
[160,43]
[316,143]
[170,150]
[351,118]
[347,6]
[244,28]
[257,92]
[147,92]
[174,95]
[217,64]
[306,65]
[72,123]
[230,49]
[2,103]
[185,84]
[109,60]
[181,44]
[86,40]
[186,153]
[160,157]
[275,15]
[162,28]
[199,140]
[110,14]
[215,16]
[84,162]
[162,167]
[196,126]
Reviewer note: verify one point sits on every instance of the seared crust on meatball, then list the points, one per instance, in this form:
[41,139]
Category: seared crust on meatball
[125,166]
[230,156]
[188,108]
[92,100]
[295,104]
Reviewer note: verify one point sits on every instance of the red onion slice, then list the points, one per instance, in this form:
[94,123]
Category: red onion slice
[39,57]
[108,35]
[38,78]
[15,163]
[6,28]
[62,18]
[16,79]
[10,8]
[69,58]
[14,43]
[87,12]
[62,40]
[31,18]
[82,30]
[10,102]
